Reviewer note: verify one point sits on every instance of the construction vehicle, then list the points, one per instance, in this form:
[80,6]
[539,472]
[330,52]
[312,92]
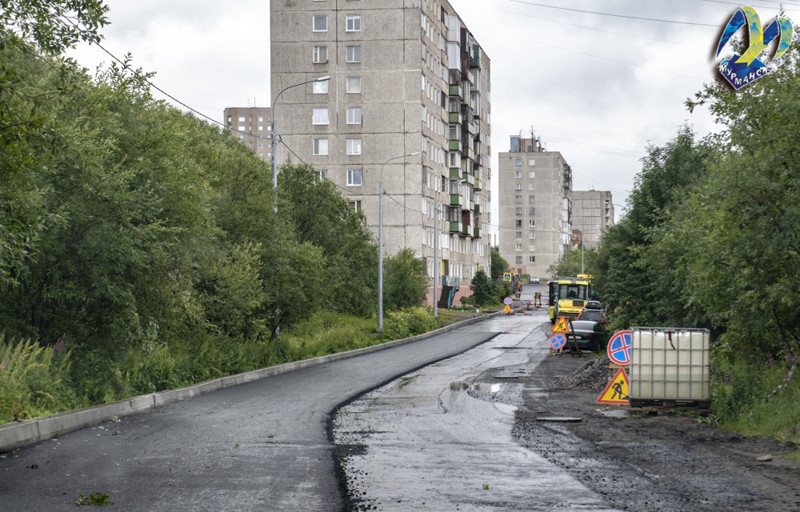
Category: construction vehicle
[568,295]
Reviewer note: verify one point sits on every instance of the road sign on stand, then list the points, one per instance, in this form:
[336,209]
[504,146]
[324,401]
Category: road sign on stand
[616,391]
[619,348]
[561,326]
[558,341]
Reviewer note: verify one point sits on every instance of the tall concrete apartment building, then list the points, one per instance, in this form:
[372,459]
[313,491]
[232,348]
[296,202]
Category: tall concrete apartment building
[534,206]
[405,78]
[592,213]
[250,125]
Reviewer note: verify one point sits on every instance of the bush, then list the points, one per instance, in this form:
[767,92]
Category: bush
[408,322]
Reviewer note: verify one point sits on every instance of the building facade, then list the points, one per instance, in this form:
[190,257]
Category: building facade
[534,200]
[592,213]
[251,125]
[407,104]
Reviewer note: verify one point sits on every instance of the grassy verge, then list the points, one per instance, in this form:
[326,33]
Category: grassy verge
[37,380]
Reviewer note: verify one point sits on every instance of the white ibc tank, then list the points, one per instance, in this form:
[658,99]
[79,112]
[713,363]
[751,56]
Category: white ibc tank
[669,364]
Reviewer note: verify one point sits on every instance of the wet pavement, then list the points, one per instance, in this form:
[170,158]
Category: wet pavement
[441,438]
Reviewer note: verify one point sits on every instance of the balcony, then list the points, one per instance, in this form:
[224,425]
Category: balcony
[457,91]
[468,178]
[454,145]
[455,227]
[456,200]
[476,208]
[454,117]
[476,232]
[454,172]
[478,184]
[465,229]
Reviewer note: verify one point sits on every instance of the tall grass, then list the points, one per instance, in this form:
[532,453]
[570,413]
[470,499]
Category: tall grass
[33,380]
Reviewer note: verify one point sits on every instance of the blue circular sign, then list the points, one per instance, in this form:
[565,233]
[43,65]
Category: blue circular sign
[619,348]
[508,300]
[557,341]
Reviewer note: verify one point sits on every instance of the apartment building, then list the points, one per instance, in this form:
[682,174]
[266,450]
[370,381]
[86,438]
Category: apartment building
[251,125]
[534,200]
[407,104]
[592,213]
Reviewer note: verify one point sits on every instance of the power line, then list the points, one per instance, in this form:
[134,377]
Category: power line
[614,15]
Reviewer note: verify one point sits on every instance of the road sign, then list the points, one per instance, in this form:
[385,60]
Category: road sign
[616,391]
[619,348]
[561,326]
[507,309]
[508,300]
[507,276]
[558,340]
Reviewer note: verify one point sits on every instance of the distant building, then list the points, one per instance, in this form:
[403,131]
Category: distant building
[251,125]
[534,206]
[405,78]
[592,213]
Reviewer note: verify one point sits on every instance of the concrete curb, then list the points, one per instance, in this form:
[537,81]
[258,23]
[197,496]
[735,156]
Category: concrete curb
[17,435]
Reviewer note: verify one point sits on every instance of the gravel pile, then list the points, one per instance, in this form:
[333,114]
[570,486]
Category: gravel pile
[593,376]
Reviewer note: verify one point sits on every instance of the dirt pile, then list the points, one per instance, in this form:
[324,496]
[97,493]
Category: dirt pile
[592,376]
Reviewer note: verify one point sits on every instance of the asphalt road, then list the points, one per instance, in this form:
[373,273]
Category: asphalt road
[261,446]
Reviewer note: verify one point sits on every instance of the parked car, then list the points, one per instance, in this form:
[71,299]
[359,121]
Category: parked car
[593,304]
[589,334]
[596,315]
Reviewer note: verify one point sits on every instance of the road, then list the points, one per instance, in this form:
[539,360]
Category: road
[261,446]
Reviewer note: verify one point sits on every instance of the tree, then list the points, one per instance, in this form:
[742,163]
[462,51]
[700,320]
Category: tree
[499,265]
[406,280]
[483,289]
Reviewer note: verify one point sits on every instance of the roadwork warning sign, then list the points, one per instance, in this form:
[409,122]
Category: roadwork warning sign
[616,391]
[561,326]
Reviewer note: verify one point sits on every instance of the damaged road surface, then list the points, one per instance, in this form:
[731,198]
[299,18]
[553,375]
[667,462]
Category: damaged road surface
[502,428]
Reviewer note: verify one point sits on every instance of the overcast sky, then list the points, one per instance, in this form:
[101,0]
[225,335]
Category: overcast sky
[592,79]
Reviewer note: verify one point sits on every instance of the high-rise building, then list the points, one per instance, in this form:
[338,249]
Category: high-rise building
[406,78]
[250,125]
[534,206]
[592,213]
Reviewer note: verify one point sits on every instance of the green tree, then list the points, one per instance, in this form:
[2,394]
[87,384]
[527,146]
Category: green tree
[406,280]
[483,289]
[499,265]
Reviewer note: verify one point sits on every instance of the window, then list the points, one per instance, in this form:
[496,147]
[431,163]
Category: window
[353,146]
[354,54]
[531,199]
[323,174]
[532,211]
[531,223]
[353,23]
[532,235]
[531,174]
[354,177]
[531,163]
[320,146]
[354,115]
[519,260]
[517,199]
[518,247]
[518,235]
[355,205]
[518,186]
[531,247]
[320,56]
[531,186]
[517,223]
[518,174]
[353,84]
[518,162]
[531,259]
[241,119]
[320,116]
[320,23]
[518,211]
[320,87]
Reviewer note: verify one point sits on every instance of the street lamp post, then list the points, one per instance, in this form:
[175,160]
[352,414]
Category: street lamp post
[380,238]
[273,135]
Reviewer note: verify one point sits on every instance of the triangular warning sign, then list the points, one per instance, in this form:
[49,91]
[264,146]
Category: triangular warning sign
[561,326]
[616,391]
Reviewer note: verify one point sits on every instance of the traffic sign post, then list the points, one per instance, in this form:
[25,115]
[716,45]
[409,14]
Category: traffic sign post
[616,392]
[619,348]
[560,326]
[557,341]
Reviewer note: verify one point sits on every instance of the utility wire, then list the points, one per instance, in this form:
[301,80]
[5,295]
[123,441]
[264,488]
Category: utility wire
[614,15]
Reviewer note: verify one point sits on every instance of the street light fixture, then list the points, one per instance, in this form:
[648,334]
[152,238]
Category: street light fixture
[273,138]
[273,135]
[380,238]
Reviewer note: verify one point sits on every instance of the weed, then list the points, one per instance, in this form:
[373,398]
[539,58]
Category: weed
[97,499]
